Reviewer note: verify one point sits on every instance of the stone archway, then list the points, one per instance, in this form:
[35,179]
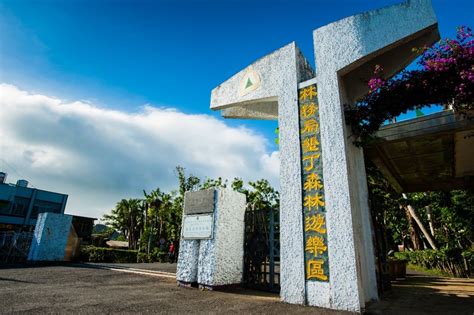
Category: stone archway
[344,51]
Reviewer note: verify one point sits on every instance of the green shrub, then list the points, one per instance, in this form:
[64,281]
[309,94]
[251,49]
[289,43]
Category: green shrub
[108,255]
[144,258]
[453,261]
[161,257]
[158,256]
[154,256]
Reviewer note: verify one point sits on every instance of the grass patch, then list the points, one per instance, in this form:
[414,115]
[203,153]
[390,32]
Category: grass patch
[431,272]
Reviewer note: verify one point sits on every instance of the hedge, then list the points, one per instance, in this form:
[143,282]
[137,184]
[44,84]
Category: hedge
[155,256]
[454,261]
[108,255]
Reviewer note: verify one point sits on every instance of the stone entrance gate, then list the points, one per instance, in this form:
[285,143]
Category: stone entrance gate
[337,269]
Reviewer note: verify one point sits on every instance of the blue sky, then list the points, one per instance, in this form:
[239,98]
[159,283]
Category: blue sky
[121,55]
[124,54]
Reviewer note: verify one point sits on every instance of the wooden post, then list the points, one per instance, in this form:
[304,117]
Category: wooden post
[430,220]
[413,214]
[415,239]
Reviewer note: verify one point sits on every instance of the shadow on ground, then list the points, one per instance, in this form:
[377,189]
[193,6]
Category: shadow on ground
[422,294]
[92,288]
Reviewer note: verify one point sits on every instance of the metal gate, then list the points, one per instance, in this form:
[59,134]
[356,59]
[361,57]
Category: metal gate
[262,249]
[14,246]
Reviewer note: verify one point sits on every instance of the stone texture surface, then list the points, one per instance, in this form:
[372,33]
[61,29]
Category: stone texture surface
[219,260]
[342,45]
[280,73]
[207,262]
[187,267]
[199,201]
[264,110]
[228,244]
[50,237]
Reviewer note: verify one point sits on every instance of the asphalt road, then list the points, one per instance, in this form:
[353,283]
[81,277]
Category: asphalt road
[82,289]
[166,267]
[151,288]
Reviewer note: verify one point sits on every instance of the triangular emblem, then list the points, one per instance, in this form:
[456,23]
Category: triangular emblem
[249,83]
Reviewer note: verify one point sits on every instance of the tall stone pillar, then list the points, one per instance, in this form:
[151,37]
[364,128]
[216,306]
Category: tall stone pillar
[268,89]
[346,53]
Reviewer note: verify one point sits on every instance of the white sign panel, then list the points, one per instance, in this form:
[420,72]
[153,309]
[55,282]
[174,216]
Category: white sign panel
[198,226]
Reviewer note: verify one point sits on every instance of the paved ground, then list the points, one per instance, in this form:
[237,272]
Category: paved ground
[123,288]
[166,267]
[82,289]
[423,294]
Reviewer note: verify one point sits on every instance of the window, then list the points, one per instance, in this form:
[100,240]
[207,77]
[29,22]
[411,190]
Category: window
[20,206]
[41,206]
[4,207]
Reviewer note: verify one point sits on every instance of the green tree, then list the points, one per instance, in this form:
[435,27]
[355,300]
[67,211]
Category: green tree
[128,217]
[214,183]
[153,218]
[186,183]
[159,215]
[260,194]
[450,214]
[175,210]
[172,212]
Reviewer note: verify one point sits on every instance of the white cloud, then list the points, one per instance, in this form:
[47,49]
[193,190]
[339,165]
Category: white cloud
[99,156]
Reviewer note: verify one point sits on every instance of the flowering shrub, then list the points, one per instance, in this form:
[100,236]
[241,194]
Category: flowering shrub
[445,76]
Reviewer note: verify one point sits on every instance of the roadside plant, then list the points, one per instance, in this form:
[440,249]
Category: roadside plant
[444,76]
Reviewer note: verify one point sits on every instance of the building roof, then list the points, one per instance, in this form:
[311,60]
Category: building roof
[117,244]
[432,152]
[82,217]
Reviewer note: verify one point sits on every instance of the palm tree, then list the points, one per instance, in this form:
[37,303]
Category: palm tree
[127,217]
[152,213]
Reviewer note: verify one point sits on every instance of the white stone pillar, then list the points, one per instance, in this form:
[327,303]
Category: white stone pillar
[346,52]
[188,258]
[275,96]
[216,260]
[221,259]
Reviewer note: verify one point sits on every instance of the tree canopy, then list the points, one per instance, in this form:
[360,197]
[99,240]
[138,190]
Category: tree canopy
[144,222]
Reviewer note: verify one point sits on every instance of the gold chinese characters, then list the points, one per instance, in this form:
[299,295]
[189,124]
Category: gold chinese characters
[316,257]
[315,270]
